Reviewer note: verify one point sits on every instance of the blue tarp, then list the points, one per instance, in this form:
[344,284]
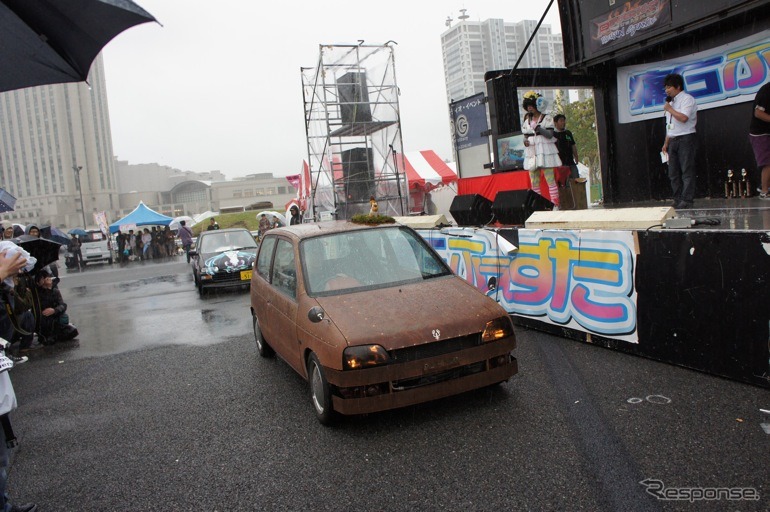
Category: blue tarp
[141,216]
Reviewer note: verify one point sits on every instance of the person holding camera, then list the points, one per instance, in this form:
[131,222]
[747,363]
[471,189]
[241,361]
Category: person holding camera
[681,113]
[54,323]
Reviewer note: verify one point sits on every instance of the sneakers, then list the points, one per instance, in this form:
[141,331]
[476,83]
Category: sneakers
[765,197]
[18,359]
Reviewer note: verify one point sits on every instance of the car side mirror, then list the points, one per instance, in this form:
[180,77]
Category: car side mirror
[316,314]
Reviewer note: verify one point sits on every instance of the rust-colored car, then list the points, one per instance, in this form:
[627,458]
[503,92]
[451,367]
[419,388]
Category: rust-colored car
[373,318]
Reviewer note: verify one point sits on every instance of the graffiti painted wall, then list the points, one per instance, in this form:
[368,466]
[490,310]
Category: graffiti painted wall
[583,280]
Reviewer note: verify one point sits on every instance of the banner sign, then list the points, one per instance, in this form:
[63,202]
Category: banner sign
[724,75]
[627,22]
[100,218]
[469,120]
[583,280]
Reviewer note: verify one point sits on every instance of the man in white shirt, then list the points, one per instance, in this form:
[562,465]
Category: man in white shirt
[681,143]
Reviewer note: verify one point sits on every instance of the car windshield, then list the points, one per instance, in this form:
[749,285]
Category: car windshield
[222,241]
[367,258]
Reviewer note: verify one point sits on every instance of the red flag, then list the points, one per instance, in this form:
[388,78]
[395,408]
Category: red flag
[303,191]
[294,179]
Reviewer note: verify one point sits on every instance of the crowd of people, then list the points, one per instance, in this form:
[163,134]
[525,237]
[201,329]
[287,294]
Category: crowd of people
[145,244]
[32,314]
[32,300]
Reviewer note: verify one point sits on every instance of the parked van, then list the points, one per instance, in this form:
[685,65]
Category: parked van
[95,247]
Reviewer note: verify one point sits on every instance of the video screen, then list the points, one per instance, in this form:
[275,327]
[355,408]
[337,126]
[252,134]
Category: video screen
[510,152]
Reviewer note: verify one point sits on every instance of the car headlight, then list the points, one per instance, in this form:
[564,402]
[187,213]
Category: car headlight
[364,356]
[497,329]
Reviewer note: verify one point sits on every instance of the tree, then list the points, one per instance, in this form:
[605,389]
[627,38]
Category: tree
[581,121]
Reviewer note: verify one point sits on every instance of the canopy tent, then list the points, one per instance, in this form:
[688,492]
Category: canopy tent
[425,170]
[141,216]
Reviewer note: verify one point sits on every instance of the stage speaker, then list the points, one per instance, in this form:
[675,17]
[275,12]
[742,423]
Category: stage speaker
[515,206]
[353,96]
[358,172]
[471,210]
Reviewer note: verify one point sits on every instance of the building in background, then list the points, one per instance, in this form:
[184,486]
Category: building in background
[471,48]
[53,139]
[174,192]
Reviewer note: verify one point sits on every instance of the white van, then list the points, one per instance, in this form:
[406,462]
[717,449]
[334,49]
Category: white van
[95,247]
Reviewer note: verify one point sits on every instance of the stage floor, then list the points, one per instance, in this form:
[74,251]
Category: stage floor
[751,214]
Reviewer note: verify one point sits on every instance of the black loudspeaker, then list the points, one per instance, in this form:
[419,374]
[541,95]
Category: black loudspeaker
[471,210]
[358,172]
[354,98]
[515,206]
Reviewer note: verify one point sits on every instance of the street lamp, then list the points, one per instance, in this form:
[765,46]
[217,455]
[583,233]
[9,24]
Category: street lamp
[77,169]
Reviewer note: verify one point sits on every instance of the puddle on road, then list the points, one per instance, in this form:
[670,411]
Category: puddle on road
[150,312]
[211,316]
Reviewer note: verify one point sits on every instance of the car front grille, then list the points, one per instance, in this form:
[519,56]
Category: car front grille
[228,277]
[436,348]
[455,373]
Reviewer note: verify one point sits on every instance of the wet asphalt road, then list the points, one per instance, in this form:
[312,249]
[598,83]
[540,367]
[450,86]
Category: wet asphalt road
[163,404]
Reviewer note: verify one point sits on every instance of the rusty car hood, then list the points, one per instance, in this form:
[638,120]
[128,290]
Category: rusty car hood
[400,316]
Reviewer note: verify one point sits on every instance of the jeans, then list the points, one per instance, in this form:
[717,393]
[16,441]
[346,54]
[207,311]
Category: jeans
[681,167]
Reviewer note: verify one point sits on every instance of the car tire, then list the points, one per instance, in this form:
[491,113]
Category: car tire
[263,348]
[320,392]
[201,290]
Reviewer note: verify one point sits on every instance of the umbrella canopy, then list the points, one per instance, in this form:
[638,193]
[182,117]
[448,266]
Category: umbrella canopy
[276,215]
[141,216]
[55,41]
[188,221]
[44,251]
[55,234]
[78,232]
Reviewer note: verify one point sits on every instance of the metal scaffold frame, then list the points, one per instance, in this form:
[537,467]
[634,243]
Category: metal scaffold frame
[353,128]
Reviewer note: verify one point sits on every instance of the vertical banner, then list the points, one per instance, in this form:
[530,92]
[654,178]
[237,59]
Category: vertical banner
[100,218]
[469,122]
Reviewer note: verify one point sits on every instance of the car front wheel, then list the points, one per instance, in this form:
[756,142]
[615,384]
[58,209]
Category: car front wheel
[263,348]
[320,391]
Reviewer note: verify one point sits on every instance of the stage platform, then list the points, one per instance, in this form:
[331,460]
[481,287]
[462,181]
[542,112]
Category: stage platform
[742,214]
[697,297]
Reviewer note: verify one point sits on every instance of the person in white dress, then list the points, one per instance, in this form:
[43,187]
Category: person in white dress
[540,150]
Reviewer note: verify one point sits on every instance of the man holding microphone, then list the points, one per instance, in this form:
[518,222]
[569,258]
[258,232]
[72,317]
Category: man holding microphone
[681,113]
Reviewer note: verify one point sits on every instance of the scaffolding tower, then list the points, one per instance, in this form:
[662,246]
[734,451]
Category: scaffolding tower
[353,128]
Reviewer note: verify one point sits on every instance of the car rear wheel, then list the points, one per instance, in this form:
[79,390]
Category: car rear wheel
[263,348]
[320,392]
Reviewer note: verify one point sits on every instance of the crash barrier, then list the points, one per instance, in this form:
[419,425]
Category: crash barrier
[693,298]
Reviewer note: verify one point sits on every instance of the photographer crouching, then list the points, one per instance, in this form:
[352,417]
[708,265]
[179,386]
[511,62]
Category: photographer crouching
[54,322]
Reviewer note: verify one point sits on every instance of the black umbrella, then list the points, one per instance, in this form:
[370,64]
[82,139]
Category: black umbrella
[44,251]
[55,41]
[55,234]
